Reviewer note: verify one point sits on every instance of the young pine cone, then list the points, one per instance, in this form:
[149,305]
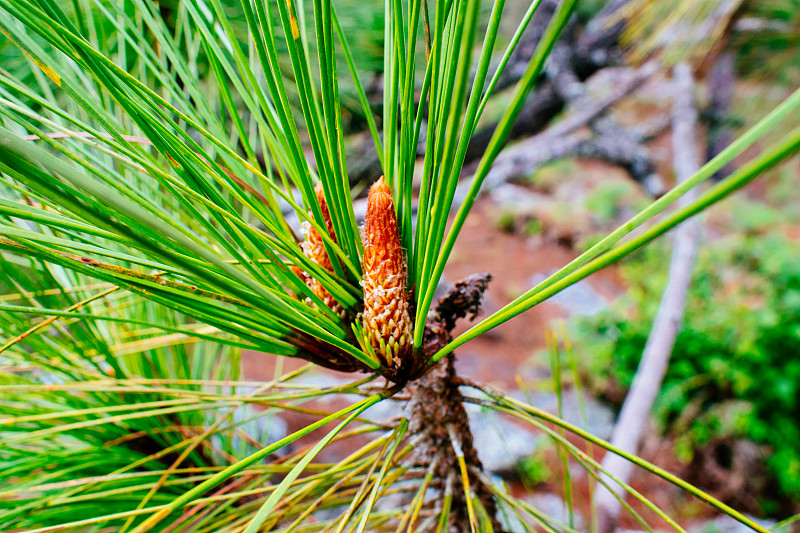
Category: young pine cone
[314,248]
[386,320]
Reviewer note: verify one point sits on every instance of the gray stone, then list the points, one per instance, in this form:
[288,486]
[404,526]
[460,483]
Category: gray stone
[599,417]
[385,410]
[500,443]
[726,524]
[554,507]
[517,199]
[579,299]
[510,522]
[262,426]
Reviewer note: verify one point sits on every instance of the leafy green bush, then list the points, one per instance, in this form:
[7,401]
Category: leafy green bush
[606,200]
[533,468]
[734,371]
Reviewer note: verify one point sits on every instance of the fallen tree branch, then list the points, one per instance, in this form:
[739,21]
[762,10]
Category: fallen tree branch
[578,56]
[612,143]
[635,411]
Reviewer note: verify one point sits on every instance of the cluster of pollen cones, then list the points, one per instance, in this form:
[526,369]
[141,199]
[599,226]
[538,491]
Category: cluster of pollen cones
[314,248]
[385,321]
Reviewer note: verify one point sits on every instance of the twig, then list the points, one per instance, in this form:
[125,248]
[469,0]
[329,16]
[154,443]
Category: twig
[589,111]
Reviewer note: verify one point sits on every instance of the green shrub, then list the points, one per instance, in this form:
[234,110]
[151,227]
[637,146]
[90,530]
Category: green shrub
[734,367]
[533,468]
[606,200]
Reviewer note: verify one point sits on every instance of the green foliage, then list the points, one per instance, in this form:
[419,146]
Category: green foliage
[533,227]
[604,202]
[506,221]
[550,174]
[588,9]
[769,49]
[534,469]
[509,222]
[733,372]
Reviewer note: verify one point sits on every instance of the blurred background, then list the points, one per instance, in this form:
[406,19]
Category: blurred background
[595,143]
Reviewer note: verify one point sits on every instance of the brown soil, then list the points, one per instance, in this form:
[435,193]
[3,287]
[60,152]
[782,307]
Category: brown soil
[512,260]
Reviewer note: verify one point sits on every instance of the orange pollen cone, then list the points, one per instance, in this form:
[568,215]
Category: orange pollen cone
[386,319]
[314,249]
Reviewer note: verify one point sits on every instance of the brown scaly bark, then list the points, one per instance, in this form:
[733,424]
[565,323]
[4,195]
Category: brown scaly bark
[437,415]
[439,418]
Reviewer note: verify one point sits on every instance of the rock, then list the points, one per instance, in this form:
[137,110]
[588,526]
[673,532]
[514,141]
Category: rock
[511,522]
[554,507]
[579,299]
[263,427]
[385,410]
[726,524]
[500,443]
[321,380]
[550,505]
[516,198]
[654,185]
[600,418]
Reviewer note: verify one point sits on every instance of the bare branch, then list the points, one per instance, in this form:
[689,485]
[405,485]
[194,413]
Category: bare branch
[667,323]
